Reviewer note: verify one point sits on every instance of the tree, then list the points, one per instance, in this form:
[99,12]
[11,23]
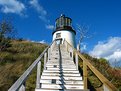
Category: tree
[83,32]
[6,33]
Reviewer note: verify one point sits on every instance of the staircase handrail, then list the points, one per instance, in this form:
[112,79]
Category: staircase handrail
[108,86]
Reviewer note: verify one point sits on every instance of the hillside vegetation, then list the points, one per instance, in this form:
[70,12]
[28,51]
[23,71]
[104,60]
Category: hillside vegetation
[15,60]
[113,74]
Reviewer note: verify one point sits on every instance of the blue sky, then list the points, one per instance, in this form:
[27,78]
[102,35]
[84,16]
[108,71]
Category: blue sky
[34,20]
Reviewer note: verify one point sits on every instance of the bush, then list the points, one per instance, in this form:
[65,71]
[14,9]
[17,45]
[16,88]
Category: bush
[6,34]
[5,43]
[103,66]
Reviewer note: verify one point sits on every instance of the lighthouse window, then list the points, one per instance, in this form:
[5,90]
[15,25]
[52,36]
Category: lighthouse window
[61,21]
[58,35]
[66,22]
[57,25]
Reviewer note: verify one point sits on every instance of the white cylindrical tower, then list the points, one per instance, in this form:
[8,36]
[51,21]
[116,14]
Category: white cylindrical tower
[64,31]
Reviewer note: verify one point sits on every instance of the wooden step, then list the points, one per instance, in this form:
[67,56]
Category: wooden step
[62,77]
[61,69]
[53,66]
[57,86]
[64,61]
[49,81]
[65,71]
[67,64]
[58,63]
[64,74]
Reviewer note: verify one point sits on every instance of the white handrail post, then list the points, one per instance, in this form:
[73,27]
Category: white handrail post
[105,88]
[48,53]
[85,74]
[45,59]
[23,87]
[76,57]
[38,75]
[78,49]
[51,47]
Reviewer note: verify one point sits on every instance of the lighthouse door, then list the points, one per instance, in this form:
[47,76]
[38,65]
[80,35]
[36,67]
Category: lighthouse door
[58,41]
[58,38]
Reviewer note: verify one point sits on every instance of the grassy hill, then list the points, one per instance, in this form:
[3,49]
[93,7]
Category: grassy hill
[15,60]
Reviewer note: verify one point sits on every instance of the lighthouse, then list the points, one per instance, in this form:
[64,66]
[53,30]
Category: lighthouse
[64,31]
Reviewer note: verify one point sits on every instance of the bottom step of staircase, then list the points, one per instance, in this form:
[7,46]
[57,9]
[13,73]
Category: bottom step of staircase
[60,90]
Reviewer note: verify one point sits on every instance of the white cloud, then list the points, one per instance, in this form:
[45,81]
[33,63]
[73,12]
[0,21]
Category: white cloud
[42,41]
[50,27]
[110,49]
[12,6]
[42,13]
[39,8]
[43,18]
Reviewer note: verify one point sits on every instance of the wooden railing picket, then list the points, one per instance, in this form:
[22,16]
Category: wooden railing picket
[38,75]
[23,87]
[45,59]
[85,74]
[48,53]
[76,60]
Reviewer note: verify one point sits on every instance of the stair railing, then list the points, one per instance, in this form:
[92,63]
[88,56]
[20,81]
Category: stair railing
[20,84]
[107,85]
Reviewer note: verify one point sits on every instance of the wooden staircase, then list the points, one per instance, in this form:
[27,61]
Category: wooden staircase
[60,73]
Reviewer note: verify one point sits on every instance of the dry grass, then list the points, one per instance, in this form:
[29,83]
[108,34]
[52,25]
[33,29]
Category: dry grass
[15,60]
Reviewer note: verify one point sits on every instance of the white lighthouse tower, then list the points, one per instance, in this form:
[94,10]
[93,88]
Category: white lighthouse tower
[64,31]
